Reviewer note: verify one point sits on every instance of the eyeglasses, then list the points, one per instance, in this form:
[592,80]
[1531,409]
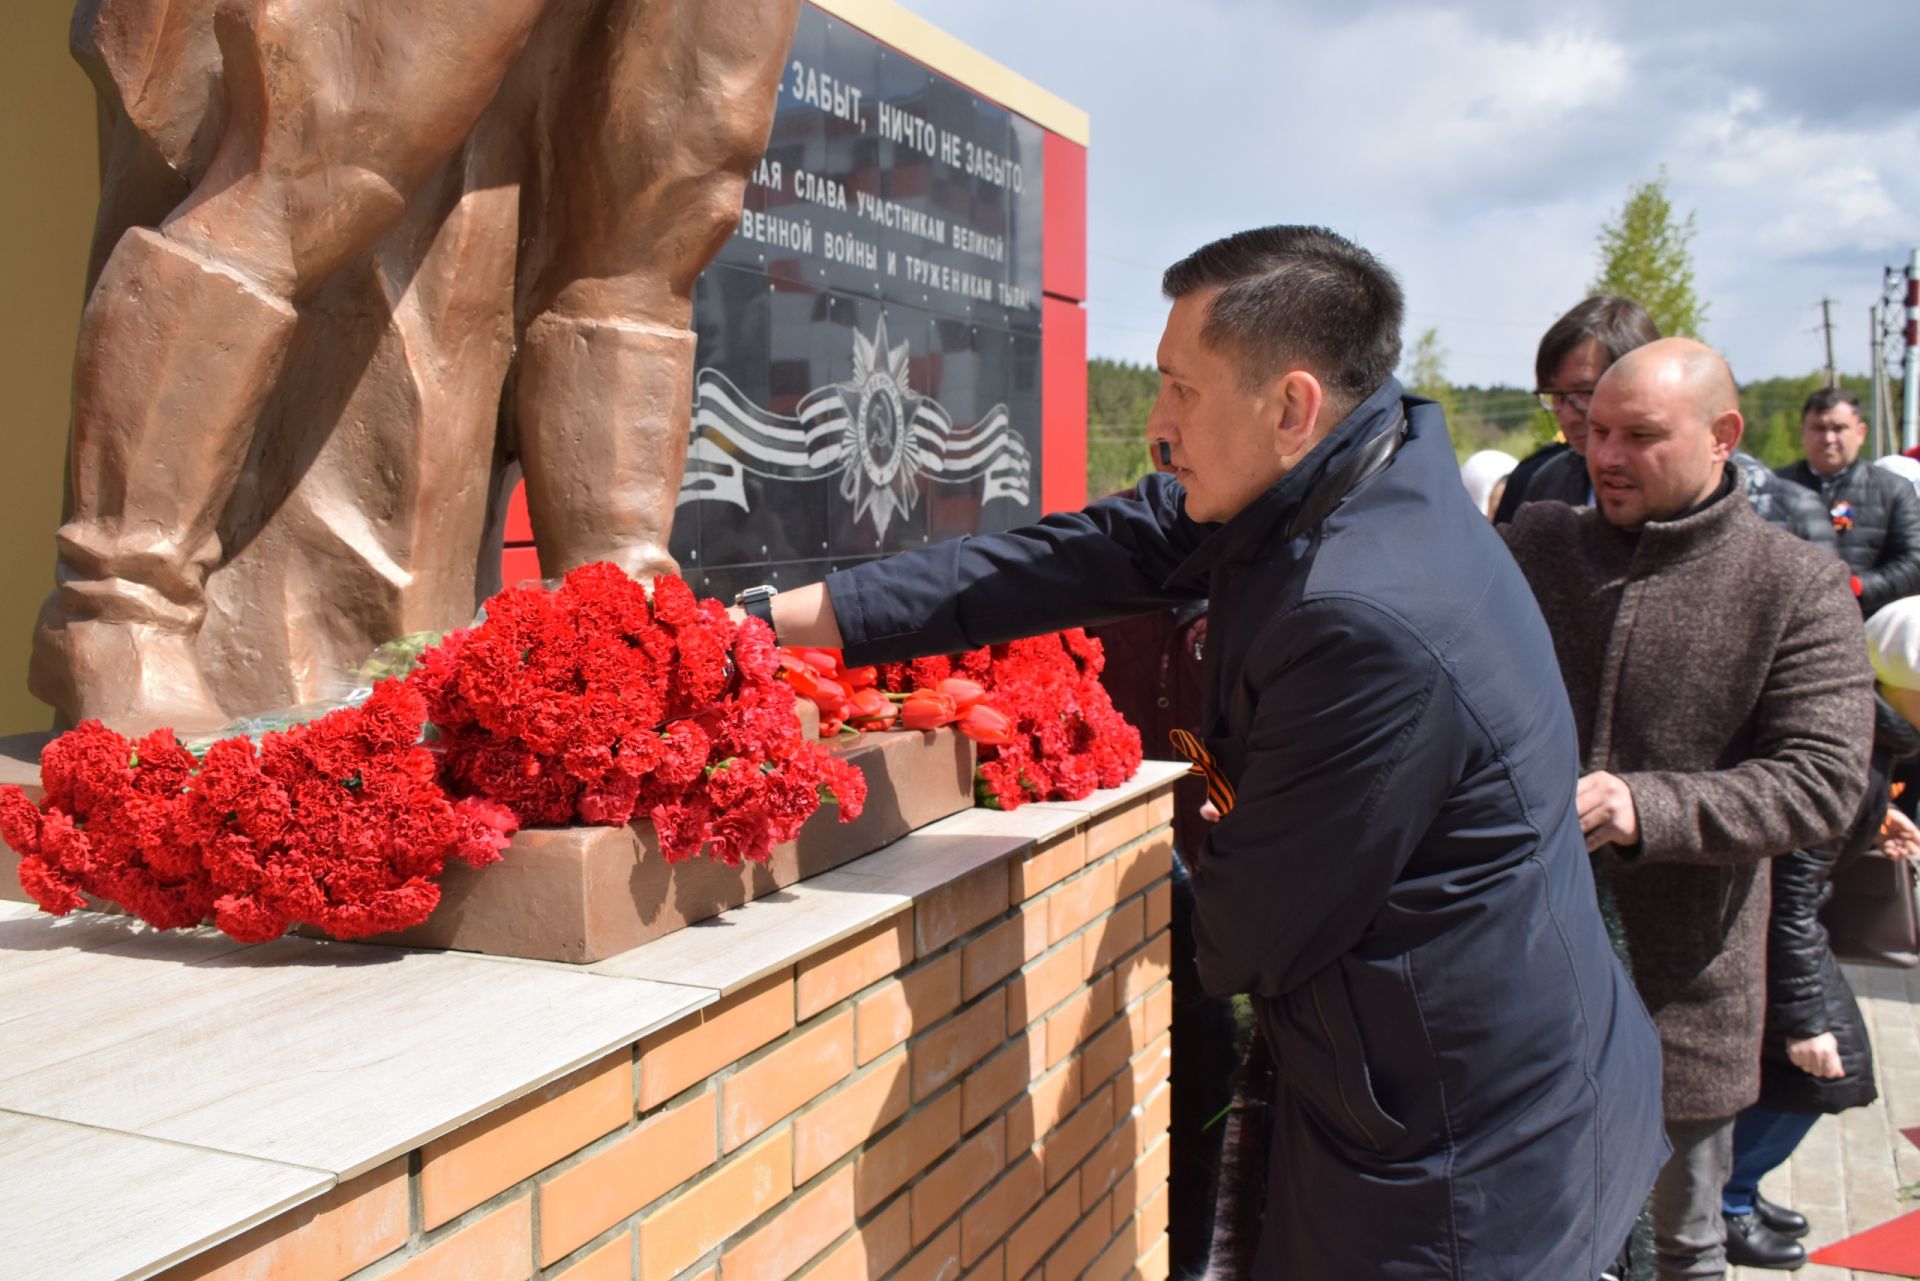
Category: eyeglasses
[1577,401]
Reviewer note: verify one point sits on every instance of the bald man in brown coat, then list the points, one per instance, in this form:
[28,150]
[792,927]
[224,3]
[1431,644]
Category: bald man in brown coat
[1720,685]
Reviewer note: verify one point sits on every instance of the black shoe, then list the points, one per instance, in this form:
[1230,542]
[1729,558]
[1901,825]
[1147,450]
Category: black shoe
[1788,1223]
[1753,1244]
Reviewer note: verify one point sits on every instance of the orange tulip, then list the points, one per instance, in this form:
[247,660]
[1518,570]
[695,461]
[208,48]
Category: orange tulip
[986,724]
[802,677]
[824,661]
[963,692]
[927,709]
[830,696]
[871,709]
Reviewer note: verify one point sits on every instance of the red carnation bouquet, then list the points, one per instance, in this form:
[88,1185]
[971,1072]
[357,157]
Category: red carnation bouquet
[593,703]
[1045,727]
[339,823]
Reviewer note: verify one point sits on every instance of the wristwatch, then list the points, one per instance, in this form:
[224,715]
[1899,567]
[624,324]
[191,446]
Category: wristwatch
[758,602]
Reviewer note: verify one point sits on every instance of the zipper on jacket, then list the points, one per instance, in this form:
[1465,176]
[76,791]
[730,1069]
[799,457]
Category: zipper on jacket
[1338,1084]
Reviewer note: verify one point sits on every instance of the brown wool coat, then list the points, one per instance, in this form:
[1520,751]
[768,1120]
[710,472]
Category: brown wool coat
[1718,666]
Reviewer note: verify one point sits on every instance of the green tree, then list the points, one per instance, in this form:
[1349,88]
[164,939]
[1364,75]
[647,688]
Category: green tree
[1119,398]
[1426,365]
[1644,256]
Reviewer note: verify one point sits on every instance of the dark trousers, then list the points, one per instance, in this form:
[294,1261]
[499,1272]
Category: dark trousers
[1762,1140]
[1206,1056]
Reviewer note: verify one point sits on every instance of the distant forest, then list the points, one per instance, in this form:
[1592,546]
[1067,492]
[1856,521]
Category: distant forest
[1120,395]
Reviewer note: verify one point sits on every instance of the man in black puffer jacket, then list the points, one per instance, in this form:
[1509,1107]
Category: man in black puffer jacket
[1876,515]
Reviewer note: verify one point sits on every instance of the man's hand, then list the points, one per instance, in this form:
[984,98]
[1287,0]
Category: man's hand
[1899,838]
[1606,811]
[1817,1056]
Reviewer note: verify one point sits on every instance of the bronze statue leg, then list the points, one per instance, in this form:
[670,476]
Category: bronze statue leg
[653,146]
[184,333]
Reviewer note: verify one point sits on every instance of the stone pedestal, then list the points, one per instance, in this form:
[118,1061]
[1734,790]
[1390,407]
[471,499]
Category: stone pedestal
[582,894]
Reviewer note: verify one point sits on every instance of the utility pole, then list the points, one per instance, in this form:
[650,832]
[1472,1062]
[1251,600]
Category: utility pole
[1910,368]
[1826,323]
[1877,364]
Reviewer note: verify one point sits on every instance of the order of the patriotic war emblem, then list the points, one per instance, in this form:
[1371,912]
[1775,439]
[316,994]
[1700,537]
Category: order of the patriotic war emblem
[882,439]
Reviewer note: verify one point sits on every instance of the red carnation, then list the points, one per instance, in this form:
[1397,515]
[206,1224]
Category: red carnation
[1046,728]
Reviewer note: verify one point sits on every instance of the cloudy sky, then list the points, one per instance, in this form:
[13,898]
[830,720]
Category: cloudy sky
[1479,146]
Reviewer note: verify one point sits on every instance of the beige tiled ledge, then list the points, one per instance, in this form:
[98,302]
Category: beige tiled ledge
[162,1200]
[188,1087]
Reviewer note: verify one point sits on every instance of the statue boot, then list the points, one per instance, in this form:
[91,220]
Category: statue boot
[177,354]
[604,413]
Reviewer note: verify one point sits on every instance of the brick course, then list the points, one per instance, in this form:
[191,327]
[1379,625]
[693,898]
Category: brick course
[697,1047]
[641,1166]
[462,1169]
[838,972]
[797,1071]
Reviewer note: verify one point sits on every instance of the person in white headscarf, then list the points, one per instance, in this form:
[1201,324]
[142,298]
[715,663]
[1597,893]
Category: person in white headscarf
[1902,466]
[1484,475]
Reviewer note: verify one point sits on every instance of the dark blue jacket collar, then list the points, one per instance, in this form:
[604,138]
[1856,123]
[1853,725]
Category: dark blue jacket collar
[1263,520]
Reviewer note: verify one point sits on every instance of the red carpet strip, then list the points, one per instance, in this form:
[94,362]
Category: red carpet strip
[1892,1247]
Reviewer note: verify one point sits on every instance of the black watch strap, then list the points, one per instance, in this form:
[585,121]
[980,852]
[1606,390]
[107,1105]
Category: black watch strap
[758,603]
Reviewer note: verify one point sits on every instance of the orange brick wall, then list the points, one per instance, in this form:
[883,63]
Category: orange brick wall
[975,1087]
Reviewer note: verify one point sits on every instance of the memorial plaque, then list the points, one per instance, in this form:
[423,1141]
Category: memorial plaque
[868,368]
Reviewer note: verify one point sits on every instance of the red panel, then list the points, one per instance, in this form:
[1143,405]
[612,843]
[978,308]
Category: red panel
[1064,253]
[519,528]
[1063,405]
[521,564]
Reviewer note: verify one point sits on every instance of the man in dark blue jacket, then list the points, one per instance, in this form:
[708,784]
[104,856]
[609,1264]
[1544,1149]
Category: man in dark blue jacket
[1467,1085]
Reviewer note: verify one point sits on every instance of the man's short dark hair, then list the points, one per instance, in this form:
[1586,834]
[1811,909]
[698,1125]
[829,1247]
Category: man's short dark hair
[1827,398]
[1301,296]
[1618,324]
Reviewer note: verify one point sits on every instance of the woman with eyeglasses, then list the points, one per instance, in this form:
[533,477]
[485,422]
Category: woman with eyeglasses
[1574,353]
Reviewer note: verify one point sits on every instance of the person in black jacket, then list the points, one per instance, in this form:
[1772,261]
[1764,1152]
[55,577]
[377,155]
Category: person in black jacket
[1807,996]
[1815,1058]
[1875,515]
[1573,354]
[1466,1083]
[1784,504]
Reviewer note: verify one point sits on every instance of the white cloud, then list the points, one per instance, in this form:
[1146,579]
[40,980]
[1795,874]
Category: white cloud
[1812,190]
[1479,146]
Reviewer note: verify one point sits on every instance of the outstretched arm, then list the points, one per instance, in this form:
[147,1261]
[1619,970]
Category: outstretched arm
[804,616]
[1111,560]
